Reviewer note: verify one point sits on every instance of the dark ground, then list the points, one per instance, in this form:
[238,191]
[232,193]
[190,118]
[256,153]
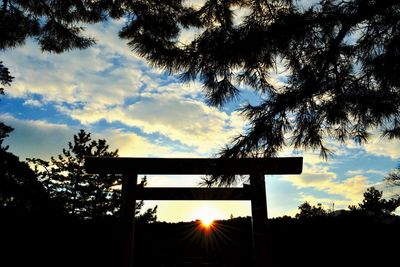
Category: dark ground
[329,241]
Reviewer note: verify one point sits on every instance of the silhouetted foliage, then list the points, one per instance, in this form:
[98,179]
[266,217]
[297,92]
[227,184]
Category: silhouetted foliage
[84,195]
[308,211]
[341,59]
[21,194]
[57,25]
[4,133]
[374,204]
[53,24]
[393,178]
[35,223]
[5,77]
[150,215]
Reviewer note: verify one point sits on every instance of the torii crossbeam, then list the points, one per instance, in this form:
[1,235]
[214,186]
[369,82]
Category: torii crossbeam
[255,192]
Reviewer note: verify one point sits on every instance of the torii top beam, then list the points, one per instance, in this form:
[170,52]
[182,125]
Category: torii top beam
[120,165]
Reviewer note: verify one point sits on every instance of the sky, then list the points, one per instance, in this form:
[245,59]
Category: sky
[114,94]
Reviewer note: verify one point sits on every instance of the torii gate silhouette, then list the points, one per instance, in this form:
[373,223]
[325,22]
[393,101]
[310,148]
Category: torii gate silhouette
[257,168]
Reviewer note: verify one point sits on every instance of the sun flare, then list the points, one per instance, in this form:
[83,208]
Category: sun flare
[207,215]
[206,222]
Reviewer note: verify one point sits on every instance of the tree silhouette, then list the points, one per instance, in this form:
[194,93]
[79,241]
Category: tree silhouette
[374,204]
[307,211]
[87,196]
[57,26]
[20,191]
[4,132]
[340,59]
[53,24]
[150,215]
[393,178]
[84,195]
[5,77]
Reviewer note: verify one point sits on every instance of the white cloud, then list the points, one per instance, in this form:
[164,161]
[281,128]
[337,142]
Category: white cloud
[186,36]
[33,103]
[104,74]
[317,177]
[197,4]
[108,82]
[188,121]
[323,179]
[369,171]
[350,188]
[133,145]
[191,90]
[383,147]
[76,77]
[376,145]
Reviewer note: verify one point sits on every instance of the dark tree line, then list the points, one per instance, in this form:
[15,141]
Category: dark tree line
[373,205]
[58,214]
[85,242]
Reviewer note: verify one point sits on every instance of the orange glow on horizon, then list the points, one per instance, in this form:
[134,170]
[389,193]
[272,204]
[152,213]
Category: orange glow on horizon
[207,222]
[206,216]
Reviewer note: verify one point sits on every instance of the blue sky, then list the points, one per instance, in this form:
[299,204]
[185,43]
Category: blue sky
[114,94]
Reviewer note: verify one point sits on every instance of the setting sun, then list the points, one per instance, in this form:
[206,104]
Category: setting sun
[207,215]
[207,222]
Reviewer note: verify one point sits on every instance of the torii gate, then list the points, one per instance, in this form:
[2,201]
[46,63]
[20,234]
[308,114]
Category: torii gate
[255,192]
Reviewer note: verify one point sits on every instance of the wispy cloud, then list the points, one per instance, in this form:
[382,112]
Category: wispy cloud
[33,103]
[362,171]
[108,83]
[383,147]
[319,178]
[188,121]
